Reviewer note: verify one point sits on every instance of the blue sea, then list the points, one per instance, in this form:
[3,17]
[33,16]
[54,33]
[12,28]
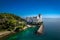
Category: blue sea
[51,31]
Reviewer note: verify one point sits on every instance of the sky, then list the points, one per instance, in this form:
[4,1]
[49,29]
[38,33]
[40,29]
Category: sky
[23,8]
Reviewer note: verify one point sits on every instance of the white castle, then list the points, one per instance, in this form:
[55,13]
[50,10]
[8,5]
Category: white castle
[35,19]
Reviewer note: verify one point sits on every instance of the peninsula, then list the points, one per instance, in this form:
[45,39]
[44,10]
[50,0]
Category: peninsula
[10,23]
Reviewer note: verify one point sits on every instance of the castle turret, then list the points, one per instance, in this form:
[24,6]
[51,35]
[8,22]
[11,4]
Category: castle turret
[39,17]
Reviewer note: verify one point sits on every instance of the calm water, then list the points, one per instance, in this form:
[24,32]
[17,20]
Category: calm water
[51,31]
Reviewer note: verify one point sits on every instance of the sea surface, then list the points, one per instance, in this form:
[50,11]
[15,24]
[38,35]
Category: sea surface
[51,31]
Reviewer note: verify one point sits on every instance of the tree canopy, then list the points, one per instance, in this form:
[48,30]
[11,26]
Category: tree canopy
[10,21]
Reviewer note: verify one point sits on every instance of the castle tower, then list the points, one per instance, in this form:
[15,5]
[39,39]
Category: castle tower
[39,18]
[39,15]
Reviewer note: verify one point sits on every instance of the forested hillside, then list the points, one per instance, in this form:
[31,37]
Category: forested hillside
[10,21]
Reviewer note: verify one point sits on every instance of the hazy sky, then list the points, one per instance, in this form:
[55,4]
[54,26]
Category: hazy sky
[48,8]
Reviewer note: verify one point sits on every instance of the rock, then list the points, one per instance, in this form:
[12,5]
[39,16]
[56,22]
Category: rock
[40,30]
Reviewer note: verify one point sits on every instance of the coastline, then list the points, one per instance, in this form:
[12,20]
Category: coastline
[5,34]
